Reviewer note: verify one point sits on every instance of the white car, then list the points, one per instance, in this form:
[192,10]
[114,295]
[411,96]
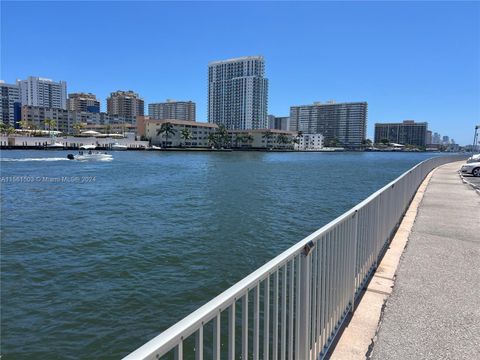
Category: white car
[473,158]
[471,168]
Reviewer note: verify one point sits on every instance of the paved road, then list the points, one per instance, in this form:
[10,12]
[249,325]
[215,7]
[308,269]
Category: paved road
[434,310]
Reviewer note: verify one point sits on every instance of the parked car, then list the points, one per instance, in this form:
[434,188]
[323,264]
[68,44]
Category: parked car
[473,158]
[472,168]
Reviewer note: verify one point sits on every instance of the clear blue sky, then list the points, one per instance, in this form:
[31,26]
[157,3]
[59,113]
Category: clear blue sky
[409,60]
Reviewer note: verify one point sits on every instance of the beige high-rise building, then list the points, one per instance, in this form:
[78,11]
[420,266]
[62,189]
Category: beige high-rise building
[341,124]
[83,102]
[127,104]
[171,109]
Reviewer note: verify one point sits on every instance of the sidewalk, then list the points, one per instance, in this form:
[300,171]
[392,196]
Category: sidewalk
[434,309]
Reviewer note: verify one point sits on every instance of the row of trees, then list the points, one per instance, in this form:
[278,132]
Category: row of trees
[221,139]
[48,125]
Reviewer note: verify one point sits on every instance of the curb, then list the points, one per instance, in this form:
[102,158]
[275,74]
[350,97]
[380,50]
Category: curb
[474,186]
[360,334]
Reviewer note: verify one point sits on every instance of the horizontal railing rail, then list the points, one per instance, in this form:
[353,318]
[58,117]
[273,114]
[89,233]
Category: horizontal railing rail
[293,306]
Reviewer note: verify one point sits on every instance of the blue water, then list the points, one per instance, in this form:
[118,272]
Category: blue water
[99,257]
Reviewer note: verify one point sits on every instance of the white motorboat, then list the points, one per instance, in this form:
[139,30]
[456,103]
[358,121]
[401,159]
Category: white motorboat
[90,156]
[54,144]
[153,147]
[88,147]
[117,146]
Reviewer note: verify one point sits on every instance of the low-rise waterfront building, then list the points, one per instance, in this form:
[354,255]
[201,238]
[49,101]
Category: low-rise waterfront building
[9,103]
[147,128]
[310,142]
[65,120]
[83,102]
[341,124]
[39,139]
[262,139]
[407,132]
[173,110]
[35,116]
[43,92]
[206,135]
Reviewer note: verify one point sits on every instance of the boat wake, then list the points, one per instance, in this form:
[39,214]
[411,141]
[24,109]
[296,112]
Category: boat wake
[33,159]
[99,159]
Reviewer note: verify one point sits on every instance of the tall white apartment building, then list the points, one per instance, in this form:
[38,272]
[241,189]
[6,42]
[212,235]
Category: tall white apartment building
[238,93]
[37,91]
[9,97]
[171,109]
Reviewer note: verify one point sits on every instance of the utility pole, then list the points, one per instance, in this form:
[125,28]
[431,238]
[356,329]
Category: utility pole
[475,139]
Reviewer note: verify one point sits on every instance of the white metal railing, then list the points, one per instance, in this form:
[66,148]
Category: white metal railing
[293,306]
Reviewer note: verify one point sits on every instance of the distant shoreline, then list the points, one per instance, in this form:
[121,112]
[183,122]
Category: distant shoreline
[210,150]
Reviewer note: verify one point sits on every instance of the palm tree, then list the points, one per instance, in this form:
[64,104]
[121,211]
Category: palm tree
[186,135]
[222,135]
[212,139]
[267,135]
[166,129]
[283,139]
[25,124]
[50,123]
[78,127]
[296,141]
[9,130]
[238,138]
[367,142]
[297,138]
[248,138]
[6,129]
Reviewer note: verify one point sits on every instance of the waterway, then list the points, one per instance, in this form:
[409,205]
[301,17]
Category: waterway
[99,257]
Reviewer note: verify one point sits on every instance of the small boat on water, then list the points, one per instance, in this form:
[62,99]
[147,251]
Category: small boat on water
[117,146]
[88,147]
[90,156]
[153,147]
[54,144]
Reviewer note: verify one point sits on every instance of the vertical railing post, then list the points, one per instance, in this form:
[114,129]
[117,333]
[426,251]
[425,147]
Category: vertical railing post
[377,229]
[354,259]
[199,344]
[305,279]
[245,326]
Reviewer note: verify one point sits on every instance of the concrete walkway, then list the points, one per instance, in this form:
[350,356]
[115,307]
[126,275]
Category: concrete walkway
[434,309]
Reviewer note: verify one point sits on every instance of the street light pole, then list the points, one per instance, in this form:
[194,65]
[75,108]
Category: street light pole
[475,139]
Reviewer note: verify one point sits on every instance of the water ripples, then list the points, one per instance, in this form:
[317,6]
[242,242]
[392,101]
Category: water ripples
[94,270]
